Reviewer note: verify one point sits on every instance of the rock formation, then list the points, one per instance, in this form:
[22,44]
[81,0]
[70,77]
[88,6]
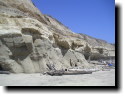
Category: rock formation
[29,40]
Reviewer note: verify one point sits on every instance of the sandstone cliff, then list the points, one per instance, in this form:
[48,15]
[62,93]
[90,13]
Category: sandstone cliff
[29,40]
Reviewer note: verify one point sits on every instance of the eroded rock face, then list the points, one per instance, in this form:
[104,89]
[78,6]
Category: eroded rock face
[30,40]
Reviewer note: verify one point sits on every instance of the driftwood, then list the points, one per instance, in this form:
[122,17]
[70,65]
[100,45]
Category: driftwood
[83,70]
[69,72]
[77,72]
[51,66]
[4,72]
[55,73]
[61,72]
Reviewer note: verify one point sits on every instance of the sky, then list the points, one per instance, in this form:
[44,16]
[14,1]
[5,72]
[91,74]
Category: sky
[95,18]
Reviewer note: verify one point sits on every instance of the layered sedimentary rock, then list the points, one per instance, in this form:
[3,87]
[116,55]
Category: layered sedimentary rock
[29,40]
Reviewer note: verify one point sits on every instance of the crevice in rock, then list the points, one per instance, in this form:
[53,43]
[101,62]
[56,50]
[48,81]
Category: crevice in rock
[63,50]
[1,69]
[19,53]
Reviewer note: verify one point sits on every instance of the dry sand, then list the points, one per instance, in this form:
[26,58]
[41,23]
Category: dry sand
[100,78]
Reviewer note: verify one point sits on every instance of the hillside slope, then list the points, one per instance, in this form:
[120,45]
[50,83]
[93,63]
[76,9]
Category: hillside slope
[30,40]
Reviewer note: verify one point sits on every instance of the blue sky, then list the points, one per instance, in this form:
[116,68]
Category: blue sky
[95,18]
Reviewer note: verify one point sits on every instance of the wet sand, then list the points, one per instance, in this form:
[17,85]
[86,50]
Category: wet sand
[100,78]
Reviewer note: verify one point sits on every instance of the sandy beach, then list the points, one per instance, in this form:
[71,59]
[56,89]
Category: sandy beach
[100,78]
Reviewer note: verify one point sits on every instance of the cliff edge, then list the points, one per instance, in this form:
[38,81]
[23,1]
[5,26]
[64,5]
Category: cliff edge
[30,40]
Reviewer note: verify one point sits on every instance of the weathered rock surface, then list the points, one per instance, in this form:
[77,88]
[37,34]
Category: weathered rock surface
[30,40]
